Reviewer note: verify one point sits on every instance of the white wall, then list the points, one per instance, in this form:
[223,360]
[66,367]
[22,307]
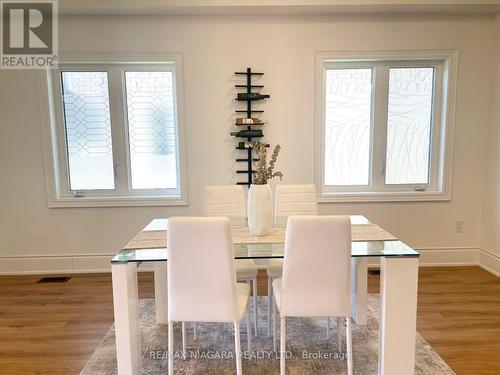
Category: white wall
[213,48]
[491,235]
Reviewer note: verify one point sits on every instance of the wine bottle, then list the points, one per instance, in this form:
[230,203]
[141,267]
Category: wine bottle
[249,121]
[248,133]
[249,145]
[251,96]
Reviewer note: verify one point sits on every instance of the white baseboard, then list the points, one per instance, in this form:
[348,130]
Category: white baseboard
[441,257]
[57,264]
[489,262]
[98,263]
[437,257]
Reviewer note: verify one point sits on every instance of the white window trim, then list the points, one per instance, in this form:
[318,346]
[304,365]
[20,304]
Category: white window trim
[49,116]
[449,60]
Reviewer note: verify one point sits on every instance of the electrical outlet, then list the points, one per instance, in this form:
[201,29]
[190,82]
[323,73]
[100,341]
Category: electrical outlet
[459,226]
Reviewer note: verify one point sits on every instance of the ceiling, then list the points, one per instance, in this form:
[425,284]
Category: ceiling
[275,7]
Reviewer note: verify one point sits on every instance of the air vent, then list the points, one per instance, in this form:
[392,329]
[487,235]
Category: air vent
[57,279]
[374,272]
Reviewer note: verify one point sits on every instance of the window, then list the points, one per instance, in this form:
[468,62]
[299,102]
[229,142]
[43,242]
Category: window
[382,126]
[115,132]
[347,126]
[151,130]
[87,123]
[409,125]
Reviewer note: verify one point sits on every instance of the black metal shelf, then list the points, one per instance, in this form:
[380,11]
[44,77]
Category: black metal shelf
[253,136]
[246,100]
[252,86]
[249,72]
[246,160]
[249,159]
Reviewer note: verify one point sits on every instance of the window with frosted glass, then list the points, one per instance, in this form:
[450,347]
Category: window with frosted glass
[151,129]
[87,123]
[409,124]
[347,126]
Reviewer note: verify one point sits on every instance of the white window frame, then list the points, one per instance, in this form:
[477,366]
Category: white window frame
[55,153]
[439,188]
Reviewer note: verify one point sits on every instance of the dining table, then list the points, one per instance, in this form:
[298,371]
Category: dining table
[398,285]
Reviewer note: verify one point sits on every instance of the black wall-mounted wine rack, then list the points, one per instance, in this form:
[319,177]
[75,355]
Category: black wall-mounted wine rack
[249,127]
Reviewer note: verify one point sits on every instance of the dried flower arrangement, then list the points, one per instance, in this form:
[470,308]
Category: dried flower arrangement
[263,172]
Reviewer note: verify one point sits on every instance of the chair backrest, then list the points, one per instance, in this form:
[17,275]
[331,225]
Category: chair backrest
[317,267]
[224,200]
[201,274]
[295,200]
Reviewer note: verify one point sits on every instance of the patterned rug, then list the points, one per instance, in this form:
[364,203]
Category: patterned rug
[310,351]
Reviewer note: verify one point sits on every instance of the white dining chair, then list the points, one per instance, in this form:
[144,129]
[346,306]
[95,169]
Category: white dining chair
[229,201]
[290,200]
[316,278]
[202,283]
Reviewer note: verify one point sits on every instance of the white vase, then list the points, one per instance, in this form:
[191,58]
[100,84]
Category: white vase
[260,210]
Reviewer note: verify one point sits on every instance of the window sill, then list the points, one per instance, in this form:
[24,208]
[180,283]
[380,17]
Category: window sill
[428,196]
[125,201]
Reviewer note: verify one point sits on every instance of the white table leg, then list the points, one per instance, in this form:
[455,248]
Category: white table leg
[161,303]
[398,315]
[126,310]
[359,289]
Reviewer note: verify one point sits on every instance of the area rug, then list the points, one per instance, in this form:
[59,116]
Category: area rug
[308,348]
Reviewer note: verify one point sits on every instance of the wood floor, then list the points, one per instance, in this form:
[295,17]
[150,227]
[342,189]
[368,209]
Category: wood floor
[54,328]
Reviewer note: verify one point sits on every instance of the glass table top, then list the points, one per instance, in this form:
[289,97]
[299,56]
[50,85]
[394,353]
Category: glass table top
[267,250]
[393,248]
[237,222]
[276,251]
